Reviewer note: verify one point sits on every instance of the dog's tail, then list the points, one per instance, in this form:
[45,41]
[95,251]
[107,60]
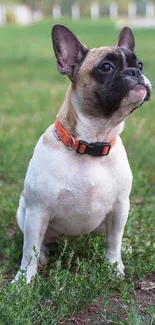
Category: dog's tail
[21,212]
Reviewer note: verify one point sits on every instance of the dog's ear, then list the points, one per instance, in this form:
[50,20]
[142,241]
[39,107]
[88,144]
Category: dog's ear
[126,39]
[69,51]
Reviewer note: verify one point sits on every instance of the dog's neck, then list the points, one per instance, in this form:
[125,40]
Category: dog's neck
[86,128]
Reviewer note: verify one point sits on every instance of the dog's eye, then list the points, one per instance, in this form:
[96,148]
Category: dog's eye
[106,67]
[140,65]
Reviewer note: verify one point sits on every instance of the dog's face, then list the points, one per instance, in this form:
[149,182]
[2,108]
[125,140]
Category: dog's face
[107,81]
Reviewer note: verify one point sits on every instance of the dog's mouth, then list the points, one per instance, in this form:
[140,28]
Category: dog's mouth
[141,88]
[148,94]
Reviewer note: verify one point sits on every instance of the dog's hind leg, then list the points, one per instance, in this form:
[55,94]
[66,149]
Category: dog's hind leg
[21,220]
[21,212]
[35,226]
[43,254]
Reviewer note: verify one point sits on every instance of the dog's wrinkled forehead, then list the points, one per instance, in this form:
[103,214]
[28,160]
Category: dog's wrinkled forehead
[120,56]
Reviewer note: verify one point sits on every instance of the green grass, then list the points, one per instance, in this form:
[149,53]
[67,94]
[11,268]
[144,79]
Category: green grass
[31,93]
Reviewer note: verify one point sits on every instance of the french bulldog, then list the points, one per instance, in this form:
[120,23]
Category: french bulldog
[79,180]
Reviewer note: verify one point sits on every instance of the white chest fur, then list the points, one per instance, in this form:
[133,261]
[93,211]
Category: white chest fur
[78,189]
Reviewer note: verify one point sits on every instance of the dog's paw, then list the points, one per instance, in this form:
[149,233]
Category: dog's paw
[119,266]
[120,270]
[26,274]
[21,275]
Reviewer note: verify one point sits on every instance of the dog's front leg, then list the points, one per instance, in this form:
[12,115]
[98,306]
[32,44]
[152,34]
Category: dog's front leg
[115,223]
[36,223]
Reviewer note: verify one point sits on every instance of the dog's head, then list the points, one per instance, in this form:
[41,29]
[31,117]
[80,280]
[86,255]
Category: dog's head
[107,81]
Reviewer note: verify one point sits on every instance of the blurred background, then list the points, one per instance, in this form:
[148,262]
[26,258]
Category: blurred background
[27,11]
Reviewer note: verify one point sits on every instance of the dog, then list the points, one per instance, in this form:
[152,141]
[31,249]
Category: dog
[79,180]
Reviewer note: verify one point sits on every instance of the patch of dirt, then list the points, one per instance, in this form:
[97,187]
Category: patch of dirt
[116,310]
[99,314]
[145,291]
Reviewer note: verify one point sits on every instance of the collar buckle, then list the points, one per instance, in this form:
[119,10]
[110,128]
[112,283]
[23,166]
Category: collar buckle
[95,149]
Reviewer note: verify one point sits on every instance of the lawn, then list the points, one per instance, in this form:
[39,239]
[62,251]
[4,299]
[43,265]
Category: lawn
[77,286]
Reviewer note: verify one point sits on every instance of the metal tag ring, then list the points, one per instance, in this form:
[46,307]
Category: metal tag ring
[73,140]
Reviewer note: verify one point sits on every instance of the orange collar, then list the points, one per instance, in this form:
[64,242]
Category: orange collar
[93,149]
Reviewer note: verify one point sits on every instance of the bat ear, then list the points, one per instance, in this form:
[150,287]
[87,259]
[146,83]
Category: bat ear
[69,51]
[126,39]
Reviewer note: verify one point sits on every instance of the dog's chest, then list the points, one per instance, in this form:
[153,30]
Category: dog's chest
[85,193]
[79,190]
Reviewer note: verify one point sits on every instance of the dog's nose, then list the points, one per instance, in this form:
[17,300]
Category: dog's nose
[134,72]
